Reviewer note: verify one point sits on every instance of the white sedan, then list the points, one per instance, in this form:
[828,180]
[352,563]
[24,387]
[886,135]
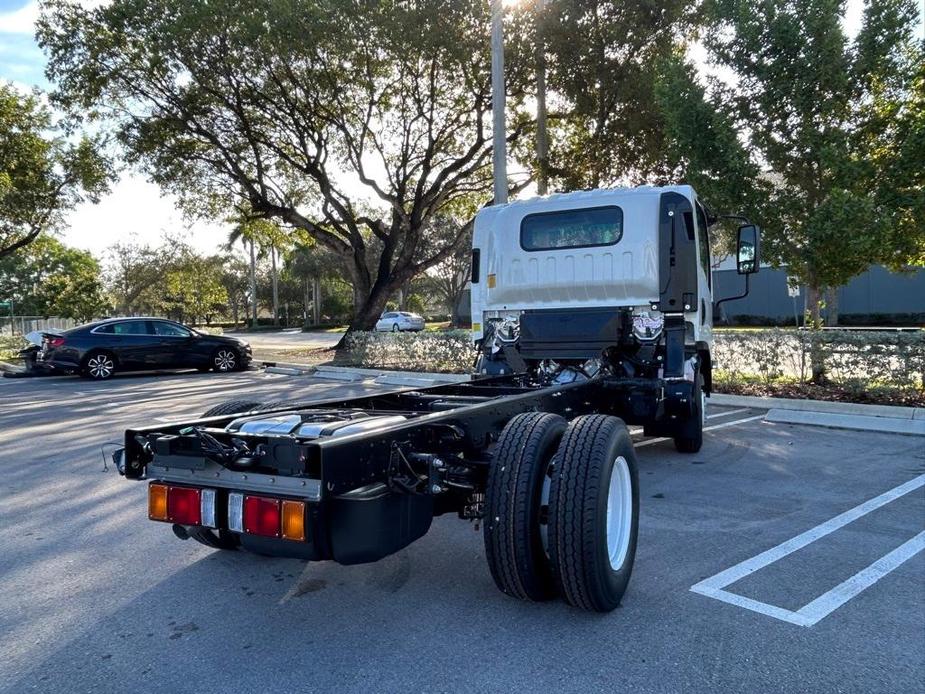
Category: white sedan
[397,321]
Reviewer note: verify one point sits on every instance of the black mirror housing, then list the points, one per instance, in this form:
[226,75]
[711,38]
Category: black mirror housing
[748,249]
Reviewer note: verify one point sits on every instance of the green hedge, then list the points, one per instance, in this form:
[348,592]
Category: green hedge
[446,352]
[854,359]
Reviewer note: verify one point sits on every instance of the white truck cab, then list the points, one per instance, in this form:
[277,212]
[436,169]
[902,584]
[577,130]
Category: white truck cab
[614,281]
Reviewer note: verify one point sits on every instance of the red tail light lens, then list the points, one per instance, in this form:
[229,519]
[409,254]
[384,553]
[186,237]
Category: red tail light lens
[55,341]
[261,516]
[183,506]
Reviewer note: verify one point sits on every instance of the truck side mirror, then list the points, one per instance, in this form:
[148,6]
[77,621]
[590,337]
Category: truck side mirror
[747,249]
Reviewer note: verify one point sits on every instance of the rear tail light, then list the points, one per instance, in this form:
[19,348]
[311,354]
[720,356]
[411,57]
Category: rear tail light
[236,512]
[184,506]
[157,502]
[254,515]
[207,508]
[261,516]
[294,520]
[54,341]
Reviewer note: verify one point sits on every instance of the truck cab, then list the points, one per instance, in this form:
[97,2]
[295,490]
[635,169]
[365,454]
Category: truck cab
[614,281]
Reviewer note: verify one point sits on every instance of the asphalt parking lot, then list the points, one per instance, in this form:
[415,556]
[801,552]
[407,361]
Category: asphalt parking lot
[802,546]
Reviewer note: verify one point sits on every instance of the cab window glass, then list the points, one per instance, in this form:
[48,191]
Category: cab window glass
[592,226]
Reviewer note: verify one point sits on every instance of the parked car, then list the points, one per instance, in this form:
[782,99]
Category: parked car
[98,350]
[397,321]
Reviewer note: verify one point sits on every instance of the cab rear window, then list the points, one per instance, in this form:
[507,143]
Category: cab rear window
[590,226]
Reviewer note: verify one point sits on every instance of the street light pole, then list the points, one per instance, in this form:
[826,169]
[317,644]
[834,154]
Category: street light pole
[499,143]
[542,144]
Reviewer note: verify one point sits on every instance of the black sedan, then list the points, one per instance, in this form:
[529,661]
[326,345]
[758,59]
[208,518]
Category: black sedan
[99,350]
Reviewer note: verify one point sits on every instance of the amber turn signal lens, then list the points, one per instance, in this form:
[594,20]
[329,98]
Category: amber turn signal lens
[294,520]
[157,502]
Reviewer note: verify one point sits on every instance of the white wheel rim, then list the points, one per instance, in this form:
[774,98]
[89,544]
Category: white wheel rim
[100,366]
[619,513]
[224,360]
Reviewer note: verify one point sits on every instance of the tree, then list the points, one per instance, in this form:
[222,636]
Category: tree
[132,270]
[47,278]
[281,103]
[42,175]
[192,288]
[234,277]
[831,122]
[603,60]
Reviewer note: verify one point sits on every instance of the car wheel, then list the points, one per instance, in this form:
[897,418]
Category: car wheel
[594,512]
[232,407]
[225,359]
[99,366]
[395,328]
[689,437]
[516,506]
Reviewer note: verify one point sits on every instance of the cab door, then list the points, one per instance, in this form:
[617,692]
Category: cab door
[704,330]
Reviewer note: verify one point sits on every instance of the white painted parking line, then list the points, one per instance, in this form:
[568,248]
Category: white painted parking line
[830,601]
[649,442]
[728,413]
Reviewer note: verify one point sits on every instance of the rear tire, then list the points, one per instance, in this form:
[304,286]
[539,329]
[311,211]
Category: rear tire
[231,407]
[689,438]
[395,328]
[514,506]
[99,366]
[594,512]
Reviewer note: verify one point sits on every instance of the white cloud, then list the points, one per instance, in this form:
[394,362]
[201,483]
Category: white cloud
[21,21]
[136,208]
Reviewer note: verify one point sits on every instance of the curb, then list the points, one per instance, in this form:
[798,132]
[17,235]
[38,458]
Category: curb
[820,406]
[890,425]
[348,374]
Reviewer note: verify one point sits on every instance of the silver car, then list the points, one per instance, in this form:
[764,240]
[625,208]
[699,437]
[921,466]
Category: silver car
[398,321]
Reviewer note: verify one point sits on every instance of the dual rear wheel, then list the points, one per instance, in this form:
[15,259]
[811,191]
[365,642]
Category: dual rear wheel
[562,510]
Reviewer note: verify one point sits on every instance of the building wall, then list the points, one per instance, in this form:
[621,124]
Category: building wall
[876,291]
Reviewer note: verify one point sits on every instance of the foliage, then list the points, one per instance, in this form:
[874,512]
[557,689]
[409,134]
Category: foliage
[266,104]
[10,346]
[836,126]
[603,60]
[857,359]
[47,278]
[447,352]
[42,174]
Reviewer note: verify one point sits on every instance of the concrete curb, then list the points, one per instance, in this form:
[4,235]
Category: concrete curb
[891,425]
[350,374]
[820,406]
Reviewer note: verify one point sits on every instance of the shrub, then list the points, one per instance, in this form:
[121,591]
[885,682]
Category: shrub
[10,346]
[448,352]
[854,359]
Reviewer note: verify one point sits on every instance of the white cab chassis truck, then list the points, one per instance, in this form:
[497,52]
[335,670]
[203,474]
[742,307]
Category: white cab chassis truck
[591,310]
[605,283]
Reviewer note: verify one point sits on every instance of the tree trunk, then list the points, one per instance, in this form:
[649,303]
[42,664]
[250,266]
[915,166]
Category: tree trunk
[275,286]
[306,303]
[831,306]
[253,286]
[316,300]
[816,355]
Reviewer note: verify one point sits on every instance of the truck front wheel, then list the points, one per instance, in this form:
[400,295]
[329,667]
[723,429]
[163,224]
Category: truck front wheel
[594,512]
[515,510]
[689,437]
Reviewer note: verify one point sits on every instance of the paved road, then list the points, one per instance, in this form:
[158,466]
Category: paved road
[95,598]
[289,339]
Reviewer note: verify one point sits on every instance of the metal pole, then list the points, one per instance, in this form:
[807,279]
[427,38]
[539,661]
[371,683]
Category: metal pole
[499,148]
[542,144]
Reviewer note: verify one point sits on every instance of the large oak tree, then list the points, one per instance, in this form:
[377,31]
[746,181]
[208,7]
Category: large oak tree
[302,111]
